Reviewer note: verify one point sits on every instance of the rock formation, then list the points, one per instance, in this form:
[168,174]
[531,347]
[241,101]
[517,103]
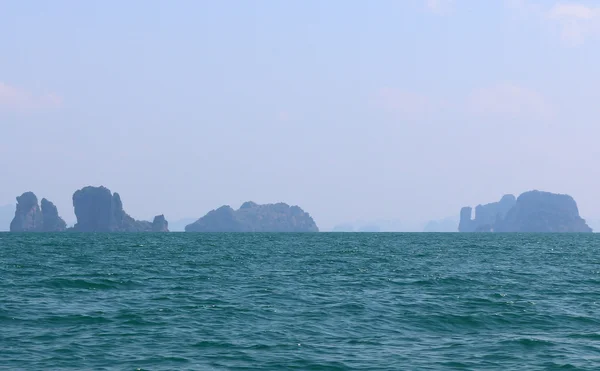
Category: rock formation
[541,212]
[51,221]
[486,216]
[251,217]
[30,218]
[93,210]
[98,210]
[160,224]
[533,211]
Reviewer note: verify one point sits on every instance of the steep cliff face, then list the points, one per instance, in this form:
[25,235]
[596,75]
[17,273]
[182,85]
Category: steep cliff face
[466,224]
[28,216]
[93,209]
[51,220]
[486,216]
[251,217]
[489,214]
[541,212]
[98,210]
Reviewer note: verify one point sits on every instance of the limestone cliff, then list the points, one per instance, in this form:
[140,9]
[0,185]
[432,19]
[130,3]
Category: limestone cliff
[160,224]
[533,211]
[51,220]
[251,217]
[537,211]
[486,215]
[99,210]
[30,218]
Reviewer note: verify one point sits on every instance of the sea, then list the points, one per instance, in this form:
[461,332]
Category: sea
[321,301]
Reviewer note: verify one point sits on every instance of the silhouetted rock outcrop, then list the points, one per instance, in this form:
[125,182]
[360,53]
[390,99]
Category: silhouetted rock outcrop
[160,224]
[51,220]
[98,210]
[252,217]
[466,224]
[30,218]
[537,211]
[486,216]
[94,210]
[533,211]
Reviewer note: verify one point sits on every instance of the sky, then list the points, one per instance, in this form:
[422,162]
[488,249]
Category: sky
[404,110]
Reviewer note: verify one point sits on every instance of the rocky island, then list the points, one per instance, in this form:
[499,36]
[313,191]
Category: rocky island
[99,210]
[30,218]
[160,224]
[251,217]
[532,211]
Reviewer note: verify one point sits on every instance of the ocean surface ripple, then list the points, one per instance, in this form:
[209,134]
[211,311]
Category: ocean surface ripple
[321,301]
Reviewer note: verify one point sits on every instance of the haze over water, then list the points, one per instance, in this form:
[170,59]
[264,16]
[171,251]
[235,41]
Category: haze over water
[354,110]
[299,301]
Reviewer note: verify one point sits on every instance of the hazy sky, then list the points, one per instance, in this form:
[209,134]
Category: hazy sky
[350,109]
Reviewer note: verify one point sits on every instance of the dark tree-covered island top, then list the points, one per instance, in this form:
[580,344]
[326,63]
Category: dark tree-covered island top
[251,217]
[532,211]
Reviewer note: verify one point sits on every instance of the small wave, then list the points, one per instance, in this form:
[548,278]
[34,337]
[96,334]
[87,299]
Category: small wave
[79,283]
[589,336]
[529,342]
[213,344]
[75,319]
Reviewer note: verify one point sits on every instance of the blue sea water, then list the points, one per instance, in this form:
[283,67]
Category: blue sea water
[299,301]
